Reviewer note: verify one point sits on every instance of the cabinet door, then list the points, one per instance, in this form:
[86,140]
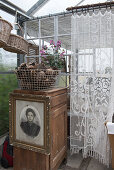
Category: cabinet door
[59,135]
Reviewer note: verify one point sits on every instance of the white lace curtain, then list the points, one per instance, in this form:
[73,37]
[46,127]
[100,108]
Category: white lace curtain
[91,79]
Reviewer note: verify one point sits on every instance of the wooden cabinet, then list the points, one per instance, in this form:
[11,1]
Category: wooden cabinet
[29,160]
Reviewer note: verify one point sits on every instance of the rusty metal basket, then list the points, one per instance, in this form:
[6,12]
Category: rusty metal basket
[5,29]
[16,44]
[37,79]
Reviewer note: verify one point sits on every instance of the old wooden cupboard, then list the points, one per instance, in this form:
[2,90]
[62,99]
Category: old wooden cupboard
[29,160]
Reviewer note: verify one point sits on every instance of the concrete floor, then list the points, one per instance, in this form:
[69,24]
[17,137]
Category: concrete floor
[74,162]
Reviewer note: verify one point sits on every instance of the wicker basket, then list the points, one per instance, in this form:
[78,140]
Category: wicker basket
[37,79]
[32,49]
[16,44]
[5,29]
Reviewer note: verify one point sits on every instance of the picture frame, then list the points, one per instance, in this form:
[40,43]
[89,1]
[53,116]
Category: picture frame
[29,122]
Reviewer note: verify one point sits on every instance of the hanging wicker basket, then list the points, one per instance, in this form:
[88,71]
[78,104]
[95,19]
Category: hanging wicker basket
[16,44]
[5,29]
[33,49]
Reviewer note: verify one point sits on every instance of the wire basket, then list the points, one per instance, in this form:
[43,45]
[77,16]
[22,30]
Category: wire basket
[37,79]
[16,44]
[5,29]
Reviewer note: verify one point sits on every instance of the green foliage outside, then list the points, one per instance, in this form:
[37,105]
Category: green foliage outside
[8,82]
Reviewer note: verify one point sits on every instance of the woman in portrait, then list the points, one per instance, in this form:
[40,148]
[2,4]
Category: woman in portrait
[29,127]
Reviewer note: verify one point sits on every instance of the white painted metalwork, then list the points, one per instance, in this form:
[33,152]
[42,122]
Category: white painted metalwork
[55,29]
[39,24]
[25,30]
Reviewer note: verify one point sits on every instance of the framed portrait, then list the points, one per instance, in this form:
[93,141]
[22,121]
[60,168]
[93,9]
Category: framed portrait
[29,122]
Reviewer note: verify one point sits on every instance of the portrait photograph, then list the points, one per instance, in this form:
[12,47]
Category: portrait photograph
[29,122]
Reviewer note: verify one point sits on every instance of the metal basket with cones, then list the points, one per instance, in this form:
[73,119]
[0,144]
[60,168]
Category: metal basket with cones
[35,77]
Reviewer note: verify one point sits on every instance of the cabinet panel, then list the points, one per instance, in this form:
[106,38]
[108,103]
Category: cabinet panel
[57,100]
[59,130]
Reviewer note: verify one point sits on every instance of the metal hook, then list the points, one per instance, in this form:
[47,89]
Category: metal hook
[82,9]
[87,8]
[93,8]
[99,6]
[72,11]
[110,6]
[106,6]
[76,10]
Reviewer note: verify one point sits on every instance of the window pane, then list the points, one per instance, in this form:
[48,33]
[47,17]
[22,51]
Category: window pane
[8,61]
[25,5]
[55,6]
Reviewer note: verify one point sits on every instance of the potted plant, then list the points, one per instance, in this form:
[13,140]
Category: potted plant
[53,56]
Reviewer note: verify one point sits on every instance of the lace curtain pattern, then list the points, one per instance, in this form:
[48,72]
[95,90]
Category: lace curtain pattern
[91,101]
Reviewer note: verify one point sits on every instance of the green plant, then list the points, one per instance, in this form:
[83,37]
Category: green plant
[7,84]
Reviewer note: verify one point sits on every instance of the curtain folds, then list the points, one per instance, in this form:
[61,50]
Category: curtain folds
[92,80]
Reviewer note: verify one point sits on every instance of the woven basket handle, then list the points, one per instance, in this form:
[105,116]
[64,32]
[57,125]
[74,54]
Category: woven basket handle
[23,32]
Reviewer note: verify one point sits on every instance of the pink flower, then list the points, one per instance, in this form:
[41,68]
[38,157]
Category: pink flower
[58,44]
[42,52]
[52,42]
[62,53]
